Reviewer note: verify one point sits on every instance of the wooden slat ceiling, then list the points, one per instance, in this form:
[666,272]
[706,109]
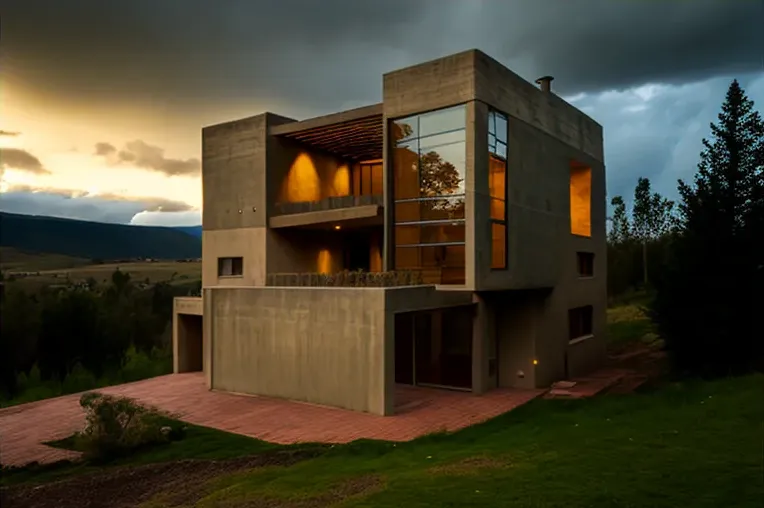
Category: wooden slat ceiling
[357,140]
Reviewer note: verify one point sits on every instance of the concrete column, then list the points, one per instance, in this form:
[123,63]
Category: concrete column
[207,335]
[389,367]
[481,328]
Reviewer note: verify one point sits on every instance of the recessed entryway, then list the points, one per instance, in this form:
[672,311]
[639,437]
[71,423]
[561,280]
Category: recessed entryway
[190,350]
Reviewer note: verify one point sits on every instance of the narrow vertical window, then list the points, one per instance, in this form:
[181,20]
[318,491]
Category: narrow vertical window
[497,185]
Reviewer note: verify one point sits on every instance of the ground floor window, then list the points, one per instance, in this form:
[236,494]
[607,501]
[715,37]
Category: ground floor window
[580,322]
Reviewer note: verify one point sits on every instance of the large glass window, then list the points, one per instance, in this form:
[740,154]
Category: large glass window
[429,162]
[497,185]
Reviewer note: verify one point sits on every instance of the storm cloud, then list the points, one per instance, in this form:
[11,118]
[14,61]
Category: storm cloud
[143,155]
[15,158]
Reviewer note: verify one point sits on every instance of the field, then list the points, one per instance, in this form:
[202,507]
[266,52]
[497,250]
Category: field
[14,260]
[52,269]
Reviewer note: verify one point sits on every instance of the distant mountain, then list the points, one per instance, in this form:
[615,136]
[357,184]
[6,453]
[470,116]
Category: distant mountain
[191,230]
[95,240]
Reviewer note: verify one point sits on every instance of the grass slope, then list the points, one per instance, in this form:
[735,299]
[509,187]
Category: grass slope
[94,239]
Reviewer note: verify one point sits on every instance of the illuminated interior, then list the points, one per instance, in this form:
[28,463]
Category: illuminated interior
[324,262]
[429,161]
[302,182]
[367,178]
[313,177]
[497,187]
[580,200]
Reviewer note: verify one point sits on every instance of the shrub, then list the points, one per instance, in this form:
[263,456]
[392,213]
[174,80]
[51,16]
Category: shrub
[116,426]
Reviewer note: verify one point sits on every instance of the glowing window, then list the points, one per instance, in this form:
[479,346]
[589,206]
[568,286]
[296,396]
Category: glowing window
[580,200]
[497,186]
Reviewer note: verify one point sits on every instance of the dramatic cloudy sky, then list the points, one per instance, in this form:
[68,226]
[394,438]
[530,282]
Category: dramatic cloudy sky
[103,101]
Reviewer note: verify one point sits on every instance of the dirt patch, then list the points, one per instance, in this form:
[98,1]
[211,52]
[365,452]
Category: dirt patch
[469,466]
[352,488]
[125,487]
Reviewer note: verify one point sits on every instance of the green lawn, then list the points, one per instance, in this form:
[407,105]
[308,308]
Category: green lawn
[695,444]
[198,443]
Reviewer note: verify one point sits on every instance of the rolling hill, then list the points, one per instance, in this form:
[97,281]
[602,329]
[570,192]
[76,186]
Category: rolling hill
[191,230]
[95,240]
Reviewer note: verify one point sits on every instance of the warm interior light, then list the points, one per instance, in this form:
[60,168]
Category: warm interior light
[302,182]
[337,227]
[581,201]
[535,362]
[341,181]
[324,261]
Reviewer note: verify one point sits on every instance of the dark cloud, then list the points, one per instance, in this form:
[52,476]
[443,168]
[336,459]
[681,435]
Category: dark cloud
[104,149]
[9,133]
[325,54]
[141,154]
[78,205]
[15,158]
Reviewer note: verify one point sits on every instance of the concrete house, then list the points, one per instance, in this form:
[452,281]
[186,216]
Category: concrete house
[469,209]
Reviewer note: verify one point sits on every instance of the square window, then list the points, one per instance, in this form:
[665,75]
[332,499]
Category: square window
[230,267]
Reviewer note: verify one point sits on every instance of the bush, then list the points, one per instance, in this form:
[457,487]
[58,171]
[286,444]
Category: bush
[117,426]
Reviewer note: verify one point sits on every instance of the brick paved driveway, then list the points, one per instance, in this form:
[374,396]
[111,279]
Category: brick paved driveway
[419,411]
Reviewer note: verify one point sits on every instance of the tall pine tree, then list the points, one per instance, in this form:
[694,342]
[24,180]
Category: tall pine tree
[709,300]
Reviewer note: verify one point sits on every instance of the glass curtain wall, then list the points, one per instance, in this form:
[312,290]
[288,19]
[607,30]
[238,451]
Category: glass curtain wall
[497,184]
[429,163]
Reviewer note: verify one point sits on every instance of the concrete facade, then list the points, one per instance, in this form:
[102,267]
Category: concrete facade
[289,197]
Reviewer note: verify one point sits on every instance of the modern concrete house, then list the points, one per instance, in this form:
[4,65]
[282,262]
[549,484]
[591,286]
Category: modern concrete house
[469,207]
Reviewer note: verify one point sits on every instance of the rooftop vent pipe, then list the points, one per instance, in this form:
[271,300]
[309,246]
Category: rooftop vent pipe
[545,83]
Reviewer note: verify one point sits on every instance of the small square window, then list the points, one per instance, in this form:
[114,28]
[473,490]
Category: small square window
[585,264]
[230,267]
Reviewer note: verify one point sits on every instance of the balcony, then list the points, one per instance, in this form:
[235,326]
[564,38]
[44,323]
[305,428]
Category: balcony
[331,203]
[334,170]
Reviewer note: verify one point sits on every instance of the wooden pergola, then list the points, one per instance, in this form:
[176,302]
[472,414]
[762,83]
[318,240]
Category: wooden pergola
[355,135]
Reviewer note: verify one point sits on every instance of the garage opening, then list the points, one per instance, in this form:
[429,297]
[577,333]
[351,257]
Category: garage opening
[190,352]
[434,348]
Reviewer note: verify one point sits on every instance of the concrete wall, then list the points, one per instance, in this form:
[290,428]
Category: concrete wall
[320,345]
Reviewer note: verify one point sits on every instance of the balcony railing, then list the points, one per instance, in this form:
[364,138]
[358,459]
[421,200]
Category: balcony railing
[334,203]
[346,279]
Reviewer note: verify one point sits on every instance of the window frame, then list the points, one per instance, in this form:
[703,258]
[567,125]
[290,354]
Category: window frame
[415,138]
[234,262]
[494,144]
[585,258]
[585,316]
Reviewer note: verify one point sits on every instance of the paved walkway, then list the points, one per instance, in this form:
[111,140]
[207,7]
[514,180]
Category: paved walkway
[420,411]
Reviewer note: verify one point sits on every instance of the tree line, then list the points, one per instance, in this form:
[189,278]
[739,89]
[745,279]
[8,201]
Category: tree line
[702,258]
[91,328]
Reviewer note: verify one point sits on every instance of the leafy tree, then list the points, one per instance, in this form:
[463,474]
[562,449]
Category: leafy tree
[652,218]
[620,231]
[708,302]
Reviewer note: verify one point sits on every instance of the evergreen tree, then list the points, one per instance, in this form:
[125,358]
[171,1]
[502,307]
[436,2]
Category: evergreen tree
[708,302]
